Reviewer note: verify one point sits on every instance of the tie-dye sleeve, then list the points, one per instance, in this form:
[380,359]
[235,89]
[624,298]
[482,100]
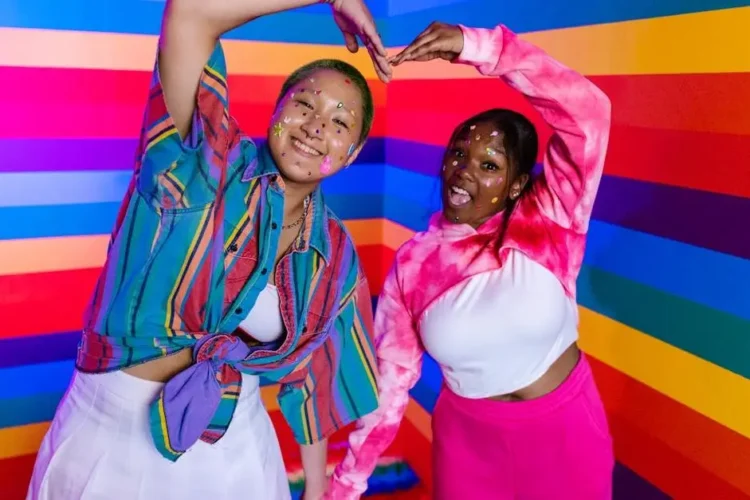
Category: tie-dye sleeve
[399,356]
[577,111]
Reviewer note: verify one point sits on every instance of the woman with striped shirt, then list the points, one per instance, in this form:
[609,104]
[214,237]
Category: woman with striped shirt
[224,264]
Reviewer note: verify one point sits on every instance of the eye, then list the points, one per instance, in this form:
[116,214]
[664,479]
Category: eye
[489,166]
[341,123]
[305,103]
[458,152]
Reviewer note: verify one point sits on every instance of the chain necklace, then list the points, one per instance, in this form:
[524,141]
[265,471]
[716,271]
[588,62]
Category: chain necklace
[301,217]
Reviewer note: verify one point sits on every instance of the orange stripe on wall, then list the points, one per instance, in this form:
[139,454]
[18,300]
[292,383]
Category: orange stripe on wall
[657,433]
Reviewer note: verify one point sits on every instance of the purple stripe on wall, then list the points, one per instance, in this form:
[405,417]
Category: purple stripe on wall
[630,486]
[38,349]
[60,155]
[699,218]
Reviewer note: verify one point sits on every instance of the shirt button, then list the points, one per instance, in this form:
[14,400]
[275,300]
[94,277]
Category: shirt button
[274,225]
[238,310]
[233,247]
[263,271]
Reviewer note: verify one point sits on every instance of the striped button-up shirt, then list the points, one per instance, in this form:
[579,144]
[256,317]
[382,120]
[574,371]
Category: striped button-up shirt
[193,245]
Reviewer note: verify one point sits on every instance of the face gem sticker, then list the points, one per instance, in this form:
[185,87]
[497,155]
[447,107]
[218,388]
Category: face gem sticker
[351,149]
[287,119]
[494,133]
[455,163]
[325,167]
[494,200]
[490,151]
[472,127]
[278,129]
[340,105]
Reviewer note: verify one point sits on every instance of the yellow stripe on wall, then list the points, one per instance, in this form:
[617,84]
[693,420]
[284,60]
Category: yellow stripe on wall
[706,42]
[114,51]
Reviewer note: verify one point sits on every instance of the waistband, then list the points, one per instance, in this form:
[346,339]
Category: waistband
[137,391]
[579,379]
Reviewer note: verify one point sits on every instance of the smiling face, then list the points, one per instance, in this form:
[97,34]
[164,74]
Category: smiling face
[316,128]
[479,176]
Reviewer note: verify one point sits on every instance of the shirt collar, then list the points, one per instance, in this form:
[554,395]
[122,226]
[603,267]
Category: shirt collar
[439,224]
[314,232]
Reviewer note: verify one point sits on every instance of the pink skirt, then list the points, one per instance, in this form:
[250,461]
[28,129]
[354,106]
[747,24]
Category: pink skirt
[557,447]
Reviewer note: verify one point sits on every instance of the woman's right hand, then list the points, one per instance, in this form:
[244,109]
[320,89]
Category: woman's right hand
[354,20]
[438,41]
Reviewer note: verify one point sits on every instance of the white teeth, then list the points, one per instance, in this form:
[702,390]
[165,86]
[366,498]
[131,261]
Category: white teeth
[307,149]
[458,190]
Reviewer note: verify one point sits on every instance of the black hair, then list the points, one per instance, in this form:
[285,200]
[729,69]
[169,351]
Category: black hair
[349,71]
[521,143]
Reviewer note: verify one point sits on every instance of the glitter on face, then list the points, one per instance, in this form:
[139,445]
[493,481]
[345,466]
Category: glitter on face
[455,162]
[287,119]
[351,149]
[277,130]
[325,167]
[494,133]
[312,80]
[340,105]
[490,151]
[472,127]
[494,200]
[478,137]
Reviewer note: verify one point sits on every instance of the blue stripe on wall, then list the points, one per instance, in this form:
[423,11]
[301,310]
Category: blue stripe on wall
[144,17]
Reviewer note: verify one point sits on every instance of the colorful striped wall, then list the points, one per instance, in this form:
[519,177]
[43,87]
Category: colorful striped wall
[665,305]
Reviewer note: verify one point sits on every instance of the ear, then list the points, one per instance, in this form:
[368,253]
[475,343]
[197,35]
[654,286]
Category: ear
[517,187]
[354,154]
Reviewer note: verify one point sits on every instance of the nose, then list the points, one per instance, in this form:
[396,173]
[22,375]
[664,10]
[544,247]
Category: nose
[313,127]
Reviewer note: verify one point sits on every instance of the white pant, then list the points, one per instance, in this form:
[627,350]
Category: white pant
[99,447]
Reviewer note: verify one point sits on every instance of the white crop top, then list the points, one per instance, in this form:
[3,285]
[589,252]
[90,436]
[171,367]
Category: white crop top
[500,331]
[264,322]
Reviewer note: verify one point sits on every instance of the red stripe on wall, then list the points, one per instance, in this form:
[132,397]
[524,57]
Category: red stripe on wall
[71,103]
[41,303]
[693,102]
[661,439]
[15,476]
[376,260]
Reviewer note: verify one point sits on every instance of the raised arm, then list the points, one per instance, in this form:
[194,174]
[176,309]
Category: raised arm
[399,358]
[577,111]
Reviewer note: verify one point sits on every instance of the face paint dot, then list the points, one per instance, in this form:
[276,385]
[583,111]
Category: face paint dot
[494,133]
[338,131]
[352,112]
[292,95]
[287,119]
[325,166]
[317,131]
[312,80]
[494,200]
[309,174]
[340,105]
[478,137]
[304,114]
[347,81]
[455,162]
[472,127]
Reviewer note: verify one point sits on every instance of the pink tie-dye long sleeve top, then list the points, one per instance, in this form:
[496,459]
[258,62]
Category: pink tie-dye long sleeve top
[548,224]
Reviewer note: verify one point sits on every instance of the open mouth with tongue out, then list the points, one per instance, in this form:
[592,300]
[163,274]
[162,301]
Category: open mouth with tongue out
[458,197]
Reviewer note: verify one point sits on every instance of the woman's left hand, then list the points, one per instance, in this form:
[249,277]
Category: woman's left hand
[439,40]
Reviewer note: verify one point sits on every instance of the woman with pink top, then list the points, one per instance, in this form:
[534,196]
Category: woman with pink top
[489,291]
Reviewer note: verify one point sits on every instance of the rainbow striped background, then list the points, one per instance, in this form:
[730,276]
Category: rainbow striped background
[664,294]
